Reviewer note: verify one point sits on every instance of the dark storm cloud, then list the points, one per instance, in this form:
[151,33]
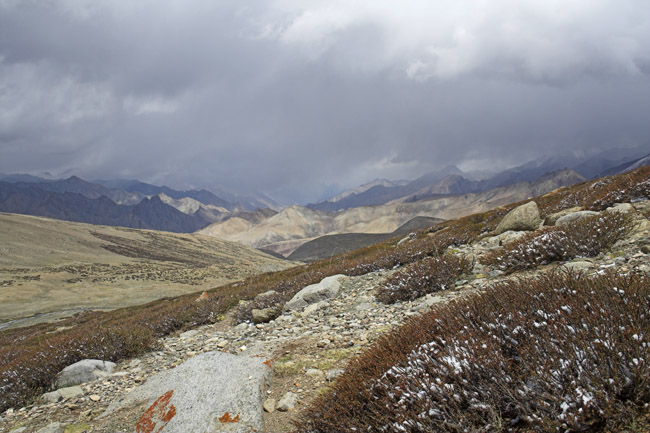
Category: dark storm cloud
[302,96]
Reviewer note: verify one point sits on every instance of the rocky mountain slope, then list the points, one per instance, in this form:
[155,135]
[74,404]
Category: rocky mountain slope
[314,340]
[300,224]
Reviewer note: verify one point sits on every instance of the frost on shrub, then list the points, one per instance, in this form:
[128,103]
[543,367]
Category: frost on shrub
[586,238]
[422,277]
[559,353]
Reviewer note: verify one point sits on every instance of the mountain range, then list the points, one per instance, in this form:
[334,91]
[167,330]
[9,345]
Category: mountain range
[452,181]
[294,226]
[377,207]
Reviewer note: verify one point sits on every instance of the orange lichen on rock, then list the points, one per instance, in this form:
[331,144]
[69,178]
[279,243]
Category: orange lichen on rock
[226,418]
[160,412]
[202,297]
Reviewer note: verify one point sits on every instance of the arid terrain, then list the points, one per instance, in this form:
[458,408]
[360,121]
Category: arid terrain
[51,269]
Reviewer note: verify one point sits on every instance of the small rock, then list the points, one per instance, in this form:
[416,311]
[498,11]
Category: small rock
[266,294]
[287,402]
[242,327]
[264,315]
[94,397]
[52,397]
[18,430]
[269,405]
[645,249]
[333,374]
[575,216]
[623,208]
[55,427]
[84,371]
[222,344]
[70,392]
[311,309]
[188,334]
[552,219]
[314,372]
[323,343]
[578,265]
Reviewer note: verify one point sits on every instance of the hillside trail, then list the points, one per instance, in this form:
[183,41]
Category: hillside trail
[306,350]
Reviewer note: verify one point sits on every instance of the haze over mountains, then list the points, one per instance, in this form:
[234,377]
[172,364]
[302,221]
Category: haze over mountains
[378,207]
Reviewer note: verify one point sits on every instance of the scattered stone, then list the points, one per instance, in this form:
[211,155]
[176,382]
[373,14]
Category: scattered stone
[287,402]
[94,397]
[264,315]
[328,288]
[574,216]
[54,427]
[269,405]
[186,395]
[18,430]
[84,371]
[222,344]
[524,217]
[70,392]
[645,249]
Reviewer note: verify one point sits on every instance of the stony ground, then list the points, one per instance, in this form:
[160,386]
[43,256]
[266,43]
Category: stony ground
[306,350]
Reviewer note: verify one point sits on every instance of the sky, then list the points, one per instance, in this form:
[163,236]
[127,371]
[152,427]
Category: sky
[304,98]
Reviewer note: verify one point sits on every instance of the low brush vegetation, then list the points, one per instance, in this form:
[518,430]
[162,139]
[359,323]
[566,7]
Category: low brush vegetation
[423,277]
[586,238]
[31,357]
[559,353]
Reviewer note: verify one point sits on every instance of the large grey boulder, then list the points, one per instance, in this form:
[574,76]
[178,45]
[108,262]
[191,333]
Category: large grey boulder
[575,216]
[211,392]
[328,288]
[522,218]
[552,218]
[84,371]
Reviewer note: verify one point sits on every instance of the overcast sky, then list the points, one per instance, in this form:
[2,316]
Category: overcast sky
[302,97]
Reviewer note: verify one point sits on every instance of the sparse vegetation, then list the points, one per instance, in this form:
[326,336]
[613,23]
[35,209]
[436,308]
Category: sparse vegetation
[423,277]
[557,353]
[586,238]
[30,357]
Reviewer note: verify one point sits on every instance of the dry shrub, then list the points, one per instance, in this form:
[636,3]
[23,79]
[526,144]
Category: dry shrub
[586,238]
[423,277]
[600,193]
[31,357]
[561,352]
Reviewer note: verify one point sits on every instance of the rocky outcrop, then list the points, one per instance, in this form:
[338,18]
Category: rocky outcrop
[84,371]
[522,218]
[328,288]
[213,391]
